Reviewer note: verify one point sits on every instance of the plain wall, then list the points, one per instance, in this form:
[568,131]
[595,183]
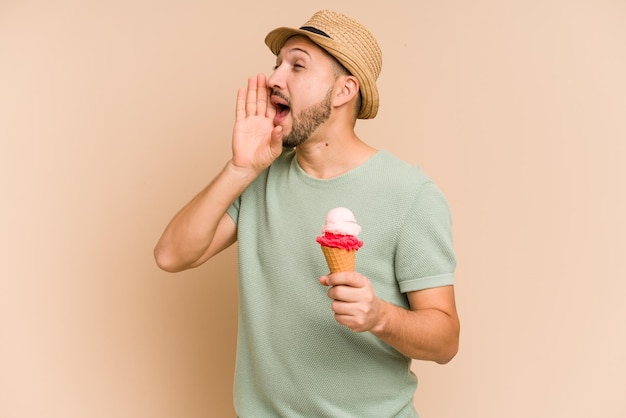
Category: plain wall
[113,114]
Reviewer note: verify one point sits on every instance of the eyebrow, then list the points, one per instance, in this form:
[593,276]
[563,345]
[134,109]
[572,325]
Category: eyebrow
[296,49]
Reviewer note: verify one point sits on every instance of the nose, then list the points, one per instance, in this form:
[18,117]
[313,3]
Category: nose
[276,80]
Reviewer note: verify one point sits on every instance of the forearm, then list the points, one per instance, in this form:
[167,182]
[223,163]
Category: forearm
[425,334]
[190,234]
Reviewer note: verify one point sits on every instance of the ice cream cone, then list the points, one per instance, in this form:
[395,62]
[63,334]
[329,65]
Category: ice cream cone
[339,259]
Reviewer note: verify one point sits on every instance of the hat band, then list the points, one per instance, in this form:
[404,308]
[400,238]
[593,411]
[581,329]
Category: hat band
[315,30]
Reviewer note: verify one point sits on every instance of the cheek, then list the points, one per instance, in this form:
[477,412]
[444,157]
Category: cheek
[310,95]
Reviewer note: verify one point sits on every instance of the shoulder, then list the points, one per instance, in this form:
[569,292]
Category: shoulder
[398,173]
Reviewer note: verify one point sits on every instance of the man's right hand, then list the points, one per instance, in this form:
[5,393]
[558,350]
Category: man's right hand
[256,141]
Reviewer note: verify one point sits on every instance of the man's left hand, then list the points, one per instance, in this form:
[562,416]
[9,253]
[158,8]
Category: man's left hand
[354,302]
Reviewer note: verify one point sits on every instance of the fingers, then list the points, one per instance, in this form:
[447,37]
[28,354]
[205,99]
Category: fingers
[355,308]
[354,302]
[240,105]
[251,96]
[347,287]
[254,99]
[347,294]
[351,279]
[261,95]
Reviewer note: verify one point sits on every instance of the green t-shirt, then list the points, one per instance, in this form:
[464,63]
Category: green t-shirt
[293,358]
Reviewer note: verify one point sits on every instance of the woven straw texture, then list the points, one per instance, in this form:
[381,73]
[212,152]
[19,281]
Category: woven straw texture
[339,259]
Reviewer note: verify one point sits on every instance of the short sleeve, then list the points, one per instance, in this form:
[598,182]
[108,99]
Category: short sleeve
[233,210]
[425,257]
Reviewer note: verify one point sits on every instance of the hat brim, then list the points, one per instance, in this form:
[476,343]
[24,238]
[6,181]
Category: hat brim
[276,39]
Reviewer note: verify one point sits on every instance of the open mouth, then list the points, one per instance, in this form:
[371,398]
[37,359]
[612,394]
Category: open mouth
[282,110]
[281,103]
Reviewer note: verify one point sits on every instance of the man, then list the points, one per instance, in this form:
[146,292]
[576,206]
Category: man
[313,344]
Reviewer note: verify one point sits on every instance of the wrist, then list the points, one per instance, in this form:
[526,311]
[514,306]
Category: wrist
[241,174]
[382,316]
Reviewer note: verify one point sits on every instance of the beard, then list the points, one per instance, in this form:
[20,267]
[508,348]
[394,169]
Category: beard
[307,121]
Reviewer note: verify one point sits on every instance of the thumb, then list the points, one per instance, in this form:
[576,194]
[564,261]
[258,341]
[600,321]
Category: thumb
[324,281]
[276,137]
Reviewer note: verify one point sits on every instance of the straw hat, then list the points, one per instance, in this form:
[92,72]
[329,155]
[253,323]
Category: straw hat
[349,42]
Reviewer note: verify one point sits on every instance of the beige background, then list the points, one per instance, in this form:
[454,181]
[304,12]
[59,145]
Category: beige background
[113,114]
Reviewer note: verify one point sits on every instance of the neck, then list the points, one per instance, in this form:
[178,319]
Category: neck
[327,155]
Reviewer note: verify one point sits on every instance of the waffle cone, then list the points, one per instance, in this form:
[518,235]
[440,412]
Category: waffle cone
[339,259]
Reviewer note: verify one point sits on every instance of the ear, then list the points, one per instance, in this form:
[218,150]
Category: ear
[347,90]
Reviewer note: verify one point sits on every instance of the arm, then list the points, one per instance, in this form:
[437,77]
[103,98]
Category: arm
[429,330]
[202,228]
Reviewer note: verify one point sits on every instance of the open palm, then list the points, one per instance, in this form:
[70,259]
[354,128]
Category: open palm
[256,141]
